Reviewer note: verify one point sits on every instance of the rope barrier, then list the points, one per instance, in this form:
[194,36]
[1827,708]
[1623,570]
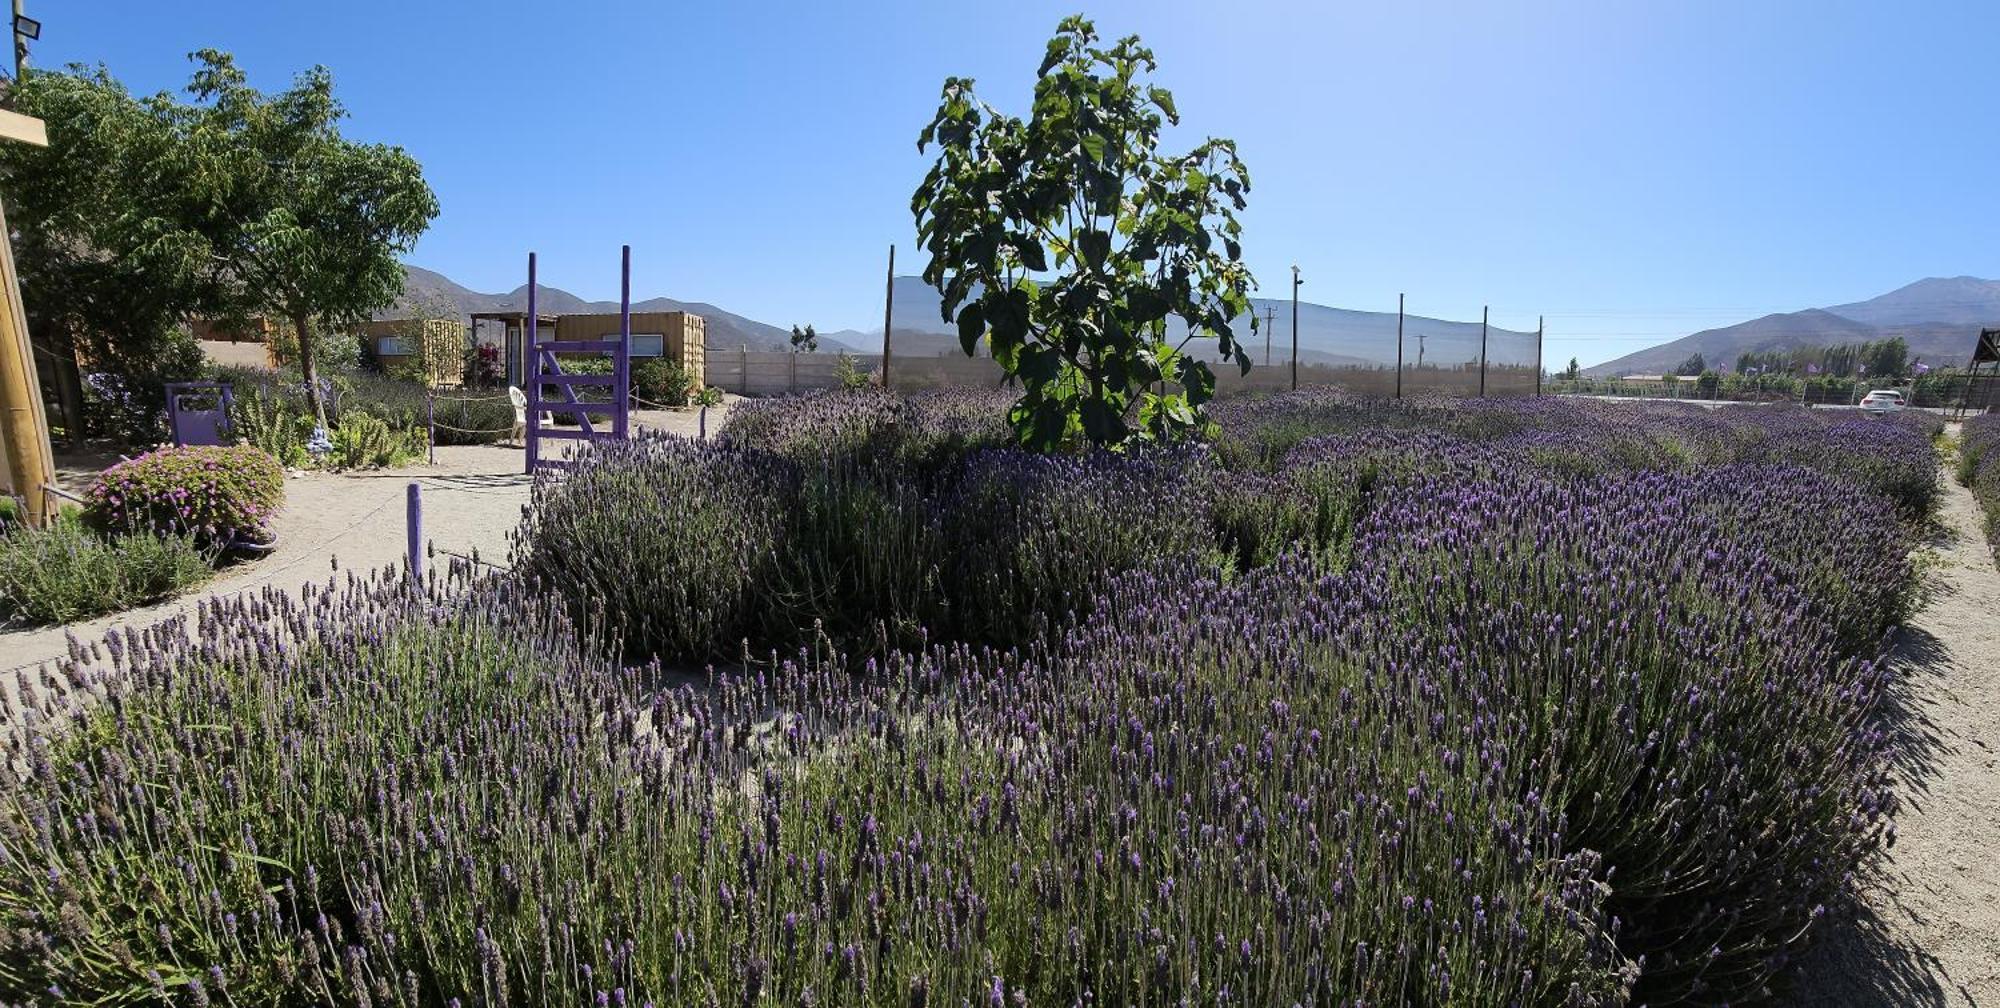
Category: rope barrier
[468,430]
[657,405]
[491,398]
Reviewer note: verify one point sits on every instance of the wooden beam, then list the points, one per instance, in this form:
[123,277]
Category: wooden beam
[23,129]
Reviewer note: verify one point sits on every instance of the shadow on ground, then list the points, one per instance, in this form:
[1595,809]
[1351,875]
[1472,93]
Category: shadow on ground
[1862,960]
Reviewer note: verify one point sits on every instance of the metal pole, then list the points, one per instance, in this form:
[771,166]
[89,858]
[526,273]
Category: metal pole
[621,370]
[701,432]
[431,418]
[24,428]
[20,44]
[1399,345]
[414,528]
[888,313]
[531,374]
[1484,313]
[1538,356]
[1295,326]
[1270,320]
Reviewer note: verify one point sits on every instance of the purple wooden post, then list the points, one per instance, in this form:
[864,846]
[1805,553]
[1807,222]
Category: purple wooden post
[531,374]
[701,433]
[414,522]
[621,367]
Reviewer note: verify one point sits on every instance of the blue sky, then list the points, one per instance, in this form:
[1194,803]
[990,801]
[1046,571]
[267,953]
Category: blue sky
[1633,169]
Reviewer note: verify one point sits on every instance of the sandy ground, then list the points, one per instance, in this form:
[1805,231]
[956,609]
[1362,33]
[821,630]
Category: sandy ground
[1927,931]
[472,499]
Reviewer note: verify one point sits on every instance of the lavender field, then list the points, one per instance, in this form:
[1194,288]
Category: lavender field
[1440,702]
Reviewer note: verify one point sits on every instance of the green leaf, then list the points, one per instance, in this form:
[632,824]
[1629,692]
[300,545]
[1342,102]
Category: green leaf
[971,326]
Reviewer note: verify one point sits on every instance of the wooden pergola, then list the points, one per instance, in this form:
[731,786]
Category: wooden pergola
[1985,365]
[513,346]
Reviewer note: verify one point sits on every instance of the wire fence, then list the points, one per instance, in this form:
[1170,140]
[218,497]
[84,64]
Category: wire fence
[1368,353]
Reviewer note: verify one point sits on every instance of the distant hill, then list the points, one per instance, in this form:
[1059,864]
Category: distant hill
[1337,336]
[1939,317]
[725,329]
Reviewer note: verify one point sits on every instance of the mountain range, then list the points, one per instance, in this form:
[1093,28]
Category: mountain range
[1939,317]
[725,328]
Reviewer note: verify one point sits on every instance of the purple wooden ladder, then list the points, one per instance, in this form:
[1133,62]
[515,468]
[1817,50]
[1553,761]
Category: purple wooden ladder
[545,372]
[194,425]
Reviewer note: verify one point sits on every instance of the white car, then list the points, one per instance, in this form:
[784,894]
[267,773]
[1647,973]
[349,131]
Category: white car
[1882,401]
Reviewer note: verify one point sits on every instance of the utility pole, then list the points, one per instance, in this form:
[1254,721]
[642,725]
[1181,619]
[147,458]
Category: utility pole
[1295,326]
[24,427]
[1270,316]
[1421,337]
[1399,346]
[888,313]
[1485,312]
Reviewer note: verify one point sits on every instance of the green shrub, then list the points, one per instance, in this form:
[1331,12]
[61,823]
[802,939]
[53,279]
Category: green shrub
[848,374]
[218,495]
[263,420]
[361,441]
[67,572]
[663,381]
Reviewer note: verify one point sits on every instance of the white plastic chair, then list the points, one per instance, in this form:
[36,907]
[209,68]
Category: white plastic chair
[520,401]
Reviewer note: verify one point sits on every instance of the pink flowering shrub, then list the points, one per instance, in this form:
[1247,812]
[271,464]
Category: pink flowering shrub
[216,494]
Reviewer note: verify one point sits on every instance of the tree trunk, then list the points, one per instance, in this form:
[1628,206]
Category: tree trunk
[308,369]
[69,388]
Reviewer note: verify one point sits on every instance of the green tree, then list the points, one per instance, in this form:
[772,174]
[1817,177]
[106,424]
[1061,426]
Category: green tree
[1887,358]
[1694,365]
[1573,371]
[805,340]
[1072,245]
[109,265]
[305,225]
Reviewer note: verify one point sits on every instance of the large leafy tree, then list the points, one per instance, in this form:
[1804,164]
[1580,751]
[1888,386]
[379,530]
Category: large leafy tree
[304,224]
[1079,251]
[110,265]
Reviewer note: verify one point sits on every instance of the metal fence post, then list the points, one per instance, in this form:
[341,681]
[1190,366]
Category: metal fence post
[743,355]
[531,376]
[621,369]
[414,522]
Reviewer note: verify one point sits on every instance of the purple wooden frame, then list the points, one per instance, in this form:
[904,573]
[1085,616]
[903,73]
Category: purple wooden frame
[200,426]
[544,371]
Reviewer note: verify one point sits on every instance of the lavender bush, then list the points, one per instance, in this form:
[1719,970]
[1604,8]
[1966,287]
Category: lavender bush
[1451,704]
[663,540]
[1979,468]
[67,572]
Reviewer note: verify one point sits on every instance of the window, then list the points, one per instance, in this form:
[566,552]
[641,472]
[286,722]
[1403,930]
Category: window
[394,346]
[649,345]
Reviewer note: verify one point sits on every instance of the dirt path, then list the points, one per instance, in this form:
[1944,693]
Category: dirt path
[1928,932]
[472,499]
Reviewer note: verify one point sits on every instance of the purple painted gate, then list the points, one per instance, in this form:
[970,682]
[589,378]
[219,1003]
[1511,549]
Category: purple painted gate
[199,412]
[546,377]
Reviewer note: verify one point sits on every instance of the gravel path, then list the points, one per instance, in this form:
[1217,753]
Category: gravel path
[1928,929]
